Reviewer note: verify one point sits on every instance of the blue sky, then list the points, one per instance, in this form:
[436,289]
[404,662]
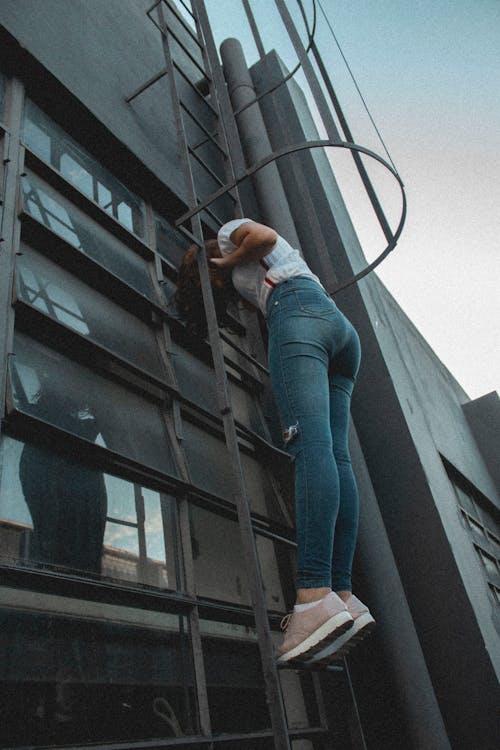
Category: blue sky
[430,74]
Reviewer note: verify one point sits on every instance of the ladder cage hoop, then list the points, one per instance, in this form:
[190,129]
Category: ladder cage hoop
[306,145]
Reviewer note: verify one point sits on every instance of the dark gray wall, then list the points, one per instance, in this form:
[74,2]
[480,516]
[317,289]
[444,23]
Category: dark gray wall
[483,417]
[101,51]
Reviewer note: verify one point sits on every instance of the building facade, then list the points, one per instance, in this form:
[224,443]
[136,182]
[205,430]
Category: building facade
[125,598]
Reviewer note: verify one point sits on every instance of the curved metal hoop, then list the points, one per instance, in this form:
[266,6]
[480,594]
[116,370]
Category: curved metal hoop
[306,145]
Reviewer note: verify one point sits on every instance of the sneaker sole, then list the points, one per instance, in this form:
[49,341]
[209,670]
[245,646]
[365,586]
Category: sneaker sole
[331,629]
[363,626]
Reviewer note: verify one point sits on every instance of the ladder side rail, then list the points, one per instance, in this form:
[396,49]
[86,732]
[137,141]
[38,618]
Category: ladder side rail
[201,691]
[372,195]
[273,688]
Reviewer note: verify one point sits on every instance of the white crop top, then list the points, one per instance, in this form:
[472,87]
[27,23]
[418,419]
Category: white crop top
[256,280]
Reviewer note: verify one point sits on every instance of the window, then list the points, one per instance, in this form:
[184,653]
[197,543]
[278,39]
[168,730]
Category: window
[170,243]
[81,679]
[236,692]
[52,144]
[60,295]
[58,513]
[54,389]
[219,564]
[77,229]
[482,520]
[2,95]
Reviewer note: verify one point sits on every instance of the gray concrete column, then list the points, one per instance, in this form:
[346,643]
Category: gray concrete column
[405,658]
[269,191]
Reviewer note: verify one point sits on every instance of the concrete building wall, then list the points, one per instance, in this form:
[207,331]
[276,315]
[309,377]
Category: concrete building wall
[407,410]
[408,413]
[101,52]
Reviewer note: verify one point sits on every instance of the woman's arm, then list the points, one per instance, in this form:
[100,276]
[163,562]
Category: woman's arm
[253,241]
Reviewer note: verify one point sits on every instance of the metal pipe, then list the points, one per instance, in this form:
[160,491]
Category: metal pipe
[271,198]
[405,658]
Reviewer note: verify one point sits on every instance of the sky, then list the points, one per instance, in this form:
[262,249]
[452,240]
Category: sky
[430,74]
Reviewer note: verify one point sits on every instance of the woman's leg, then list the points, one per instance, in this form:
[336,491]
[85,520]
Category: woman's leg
[343,371]
[298,363]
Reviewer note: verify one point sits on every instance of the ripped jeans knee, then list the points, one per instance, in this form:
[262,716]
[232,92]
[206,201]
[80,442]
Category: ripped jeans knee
[289,434]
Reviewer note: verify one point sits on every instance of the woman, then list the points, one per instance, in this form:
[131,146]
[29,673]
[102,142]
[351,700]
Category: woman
[314,356]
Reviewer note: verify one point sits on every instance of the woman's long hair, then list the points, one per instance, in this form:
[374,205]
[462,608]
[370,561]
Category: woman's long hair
[188,298]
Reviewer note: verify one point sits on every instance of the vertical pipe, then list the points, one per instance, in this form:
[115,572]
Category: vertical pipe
[271,197]
[406,660]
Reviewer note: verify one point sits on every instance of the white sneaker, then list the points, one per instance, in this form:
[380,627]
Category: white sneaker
[308,631]
[362,625]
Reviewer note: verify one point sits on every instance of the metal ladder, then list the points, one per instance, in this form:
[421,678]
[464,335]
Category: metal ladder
[226,141]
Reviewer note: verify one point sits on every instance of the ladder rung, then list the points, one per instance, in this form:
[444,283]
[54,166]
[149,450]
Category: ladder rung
[205,166]
[185,49]
[244,354]
[210,137]
[187,9]
[213,216]
[195,89]
[179,18]
[146,85]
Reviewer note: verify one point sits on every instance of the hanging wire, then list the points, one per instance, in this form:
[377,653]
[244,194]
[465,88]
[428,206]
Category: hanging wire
[365,105]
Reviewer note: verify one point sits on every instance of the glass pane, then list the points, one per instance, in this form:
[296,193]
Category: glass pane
[2,94]
[465,501]
[236,692]
[263,498]
[65,681]
[477,531]
[67,299]
[490,566]
[55,389]
[195,378]
[277,562]
[219,567]
[59,513]
[210,468]
[208,461]
[2,175]
[245,409]
[196,381]
[489,520]
[75,227]
[170,243]
[49,141]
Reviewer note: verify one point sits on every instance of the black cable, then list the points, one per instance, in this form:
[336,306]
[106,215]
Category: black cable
[355,83]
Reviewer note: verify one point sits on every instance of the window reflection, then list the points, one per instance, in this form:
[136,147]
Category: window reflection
[73,680]
[57,512]
[43,136]
[65,298]
[57,390]
[51,299]
[57,213]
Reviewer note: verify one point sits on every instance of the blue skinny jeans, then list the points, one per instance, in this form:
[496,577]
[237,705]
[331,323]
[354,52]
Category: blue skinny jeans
[314,357]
